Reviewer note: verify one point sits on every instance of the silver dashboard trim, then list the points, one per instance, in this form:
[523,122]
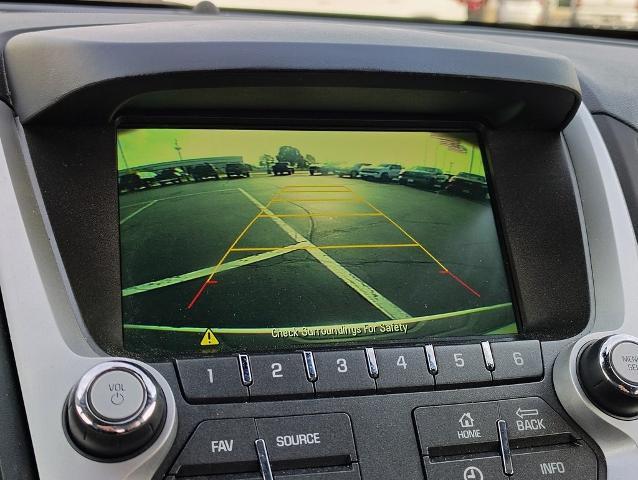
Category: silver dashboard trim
[51,351]
[614,266]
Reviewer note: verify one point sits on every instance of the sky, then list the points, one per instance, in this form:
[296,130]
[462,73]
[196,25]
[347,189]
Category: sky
[149,146]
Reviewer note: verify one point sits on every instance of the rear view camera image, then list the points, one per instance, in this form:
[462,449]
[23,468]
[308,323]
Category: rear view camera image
[252,240]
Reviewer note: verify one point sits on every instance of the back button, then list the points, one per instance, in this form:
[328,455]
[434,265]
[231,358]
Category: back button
[532,421]
[219,446]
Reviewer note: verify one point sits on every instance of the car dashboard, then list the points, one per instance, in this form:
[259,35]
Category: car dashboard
[263,246]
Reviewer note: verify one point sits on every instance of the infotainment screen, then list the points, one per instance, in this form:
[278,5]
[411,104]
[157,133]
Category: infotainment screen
[254,239]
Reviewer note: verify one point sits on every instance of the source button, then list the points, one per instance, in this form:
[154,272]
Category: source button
[308,441]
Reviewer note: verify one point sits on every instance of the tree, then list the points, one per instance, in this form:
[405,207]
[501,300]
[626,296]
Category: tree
[291,155]
[266,160]
[310,159]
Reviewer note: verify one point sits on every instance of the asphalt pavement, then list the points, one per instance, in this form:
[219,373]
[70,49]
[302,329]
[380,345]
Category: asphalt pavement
[246,256]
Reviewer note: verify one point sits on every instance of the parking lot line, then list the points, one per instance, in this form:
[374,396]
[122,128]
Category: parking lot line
[223,258]
[173,197]
[328,247]
[139,210]
[349,200]
[329,214]
[314,191]
[205,272]
[362,288]
[425,250]
[312,186]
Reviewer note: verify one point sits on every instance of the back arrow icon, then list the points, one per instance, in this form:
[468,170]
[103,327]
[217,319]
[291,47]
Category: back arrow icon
[521,413]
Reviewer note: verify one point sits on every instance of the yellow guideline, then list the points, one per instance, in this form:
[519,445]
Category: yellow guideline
[209,338]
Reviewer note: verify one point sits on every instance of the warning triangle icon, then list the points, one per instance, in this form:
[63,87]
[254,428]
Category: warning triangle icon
[209,338]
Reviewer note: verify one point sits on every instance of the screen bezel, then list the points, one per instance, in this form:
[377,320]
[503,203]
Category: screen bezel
[323,122]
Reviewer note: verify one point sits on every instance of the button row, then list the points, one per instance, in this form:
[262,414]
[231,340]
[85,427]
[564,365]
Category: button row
[472,427]
[292,443]
[473,430]
[298,375]
[572,462]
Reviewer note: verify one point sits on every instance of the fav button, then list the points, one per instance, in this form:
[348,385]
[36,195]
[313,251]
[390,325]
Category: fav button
[451,429]
[529,418]
[219,446]
[309,441]
[569,463]
[117,395]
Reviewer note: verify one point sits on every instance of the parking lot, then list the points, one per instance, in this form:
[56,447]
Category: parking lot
[247,256]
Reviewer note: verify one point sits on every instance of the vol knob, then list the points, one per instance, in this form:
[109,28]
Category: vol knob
[608,372]
[115,411]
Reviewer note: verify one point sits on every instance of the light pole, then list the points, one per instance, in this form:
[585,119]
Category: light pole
[119,146]
[178,149]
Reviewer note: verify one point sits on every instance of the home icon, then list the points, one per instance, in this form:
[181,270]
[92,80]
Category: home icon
[466,420]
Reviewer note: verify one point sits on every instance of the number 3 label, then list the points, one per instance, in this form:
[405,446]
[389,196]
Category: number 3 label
[342,366]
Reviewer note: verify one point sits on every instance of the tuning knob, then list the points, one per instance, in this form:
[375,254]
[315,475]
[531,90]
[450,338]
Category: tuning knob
[115,411]
[608,372]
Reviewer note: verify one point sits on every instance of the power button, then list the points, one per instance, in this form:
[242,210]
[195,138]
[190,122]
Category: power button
[117,395]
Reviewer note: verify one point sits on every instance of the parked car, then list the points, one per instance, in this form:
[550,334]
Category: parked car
[467,184]
[605,13]
[204,171]
[384,172]
[352,171]
[322,169]
[130,182]
[172,176]
[237,170]
[527,12]
[426,177]
[282,168]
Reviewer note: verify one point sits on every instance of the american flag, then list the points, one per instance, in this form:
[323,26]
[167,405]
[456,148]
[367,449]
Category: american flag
[452,144]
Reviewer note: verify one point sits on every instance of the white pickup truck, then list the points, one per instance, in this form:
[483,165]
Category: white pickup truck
[384,171]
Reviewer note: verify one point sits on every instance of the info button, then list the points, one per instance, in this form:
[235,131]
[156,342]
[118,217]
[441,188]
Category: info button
[462,428]
[308,441]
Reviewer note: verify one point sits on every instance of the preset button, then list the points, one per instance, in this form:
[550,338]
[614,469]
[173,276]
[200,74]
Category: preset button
[211,380]
[343,372]
[279,376]
[459,428]
[402,369]
[461,364]
[517,360]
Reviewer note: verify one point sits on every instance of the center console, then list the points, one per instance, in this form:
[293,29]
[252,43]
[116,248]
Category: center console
[258,255]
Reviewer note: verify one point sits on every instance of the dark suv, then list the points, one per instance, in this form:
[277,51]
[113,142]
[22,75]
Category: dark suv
[237,170]
[468,185]
[205,171]
[282,168]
